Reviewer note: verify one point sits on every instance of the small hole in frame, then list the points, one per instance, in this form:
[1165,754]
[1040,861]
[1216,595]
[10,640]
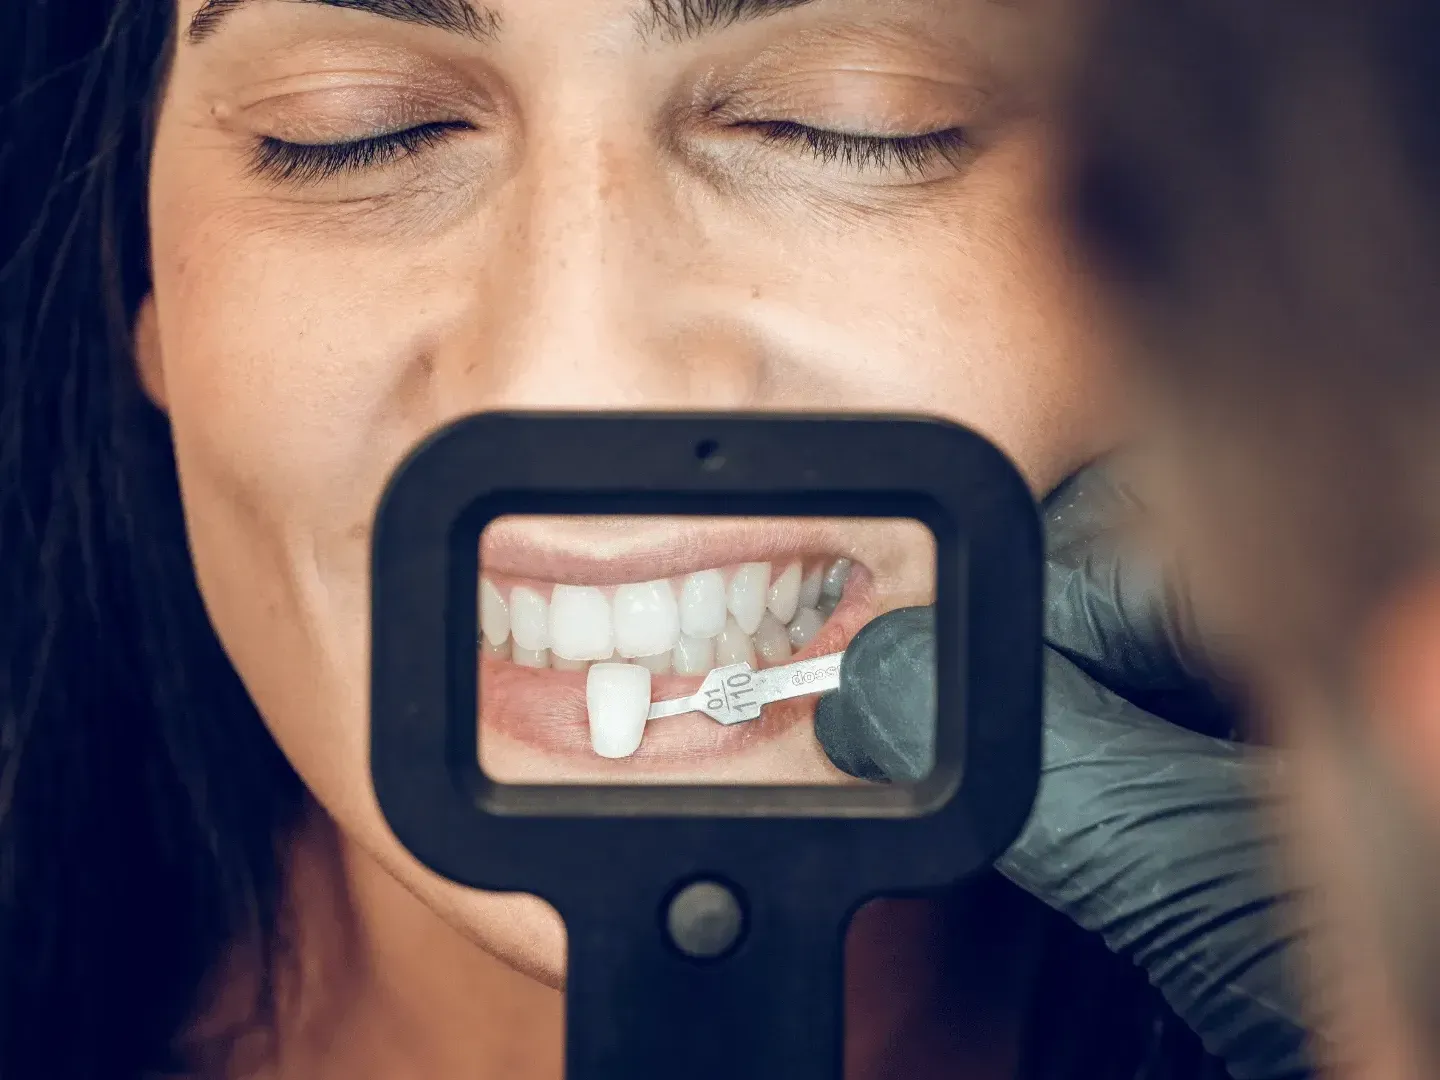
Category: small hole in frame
[707,452]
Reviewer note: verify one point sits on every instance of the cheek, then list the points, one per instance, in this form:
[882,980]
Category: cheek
[283,364]
[976,314]
[284,370]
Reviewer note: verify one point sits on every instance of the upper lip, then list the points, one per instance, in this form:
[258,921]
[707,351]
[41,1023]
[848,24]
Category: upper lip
[618,550]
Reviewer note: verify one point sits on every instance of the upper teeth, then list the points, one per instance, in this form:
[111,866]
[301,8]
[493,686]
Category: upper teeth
[647,619]
[686,624]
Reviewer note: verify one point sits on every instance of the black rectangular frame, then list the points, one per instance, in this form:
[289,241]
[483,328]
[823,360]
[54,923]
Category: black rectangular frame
[467,827]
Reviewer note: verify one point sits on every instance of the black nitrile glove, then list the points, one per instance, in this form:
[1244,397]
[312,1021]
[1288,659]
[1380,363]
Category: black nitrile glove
[1153,836]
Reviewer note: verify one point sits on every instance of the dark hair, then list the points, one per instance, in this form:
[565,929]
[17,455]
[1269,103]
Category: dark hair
[143,804]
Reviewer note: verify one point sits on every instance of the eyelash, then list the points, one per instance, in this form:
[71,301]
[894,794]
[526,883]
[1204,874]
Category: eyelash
[307,163]
[303,163]
[911,154]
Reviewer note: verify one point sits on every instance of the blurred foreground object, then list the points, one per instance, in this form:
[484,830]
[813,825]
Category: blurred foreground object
[1257,186]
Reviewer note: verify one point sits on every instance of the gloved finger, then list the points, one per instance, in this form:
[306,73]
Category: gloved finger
[880,725]
[1108,603]
[1162,841]
[1116,609]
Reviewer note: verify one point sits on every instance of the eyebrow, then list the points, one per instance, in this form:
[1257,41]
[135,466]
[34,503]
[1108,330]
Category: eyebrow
[680,19]
[455,16]
[675,19]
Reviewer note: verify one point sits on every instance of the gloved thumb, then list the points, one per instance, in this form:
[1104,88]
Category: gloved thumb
[1116,610]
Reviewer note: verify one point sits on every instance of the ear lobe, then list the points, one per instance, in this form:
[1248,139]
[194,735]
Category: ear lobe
[1400,679]
[149,365]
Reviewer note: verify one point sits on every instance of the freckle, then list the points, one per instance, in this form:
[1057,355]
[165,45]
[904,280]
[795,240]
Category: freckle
[755,292]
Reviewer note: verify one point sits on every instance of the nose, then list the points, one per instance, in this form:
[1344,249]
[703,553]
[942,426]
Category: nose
[602,291]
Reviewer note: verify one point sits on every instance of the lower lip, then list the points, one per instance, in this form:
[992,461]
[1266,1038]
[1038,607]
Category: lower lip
[546,710]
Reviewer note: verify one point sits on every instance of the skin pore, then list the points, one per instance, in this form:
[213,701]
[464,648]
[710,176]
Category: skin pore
[587,207]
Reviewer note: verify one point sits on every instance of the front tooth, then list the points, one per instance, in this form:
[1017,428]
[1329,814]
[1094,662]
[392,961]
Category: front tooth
[693,655]
[746,595]
[733,646]
[529,619]
[531,657]
[702,604]
[618,699]
[805,626]
[833,587]
[647,619]
[784,595]
[772,641]
[580,627]
[559,663]
[810,588]
[494,613]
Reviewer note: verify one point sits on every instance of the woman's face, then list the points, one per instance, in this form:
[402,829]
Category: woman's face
[371,217]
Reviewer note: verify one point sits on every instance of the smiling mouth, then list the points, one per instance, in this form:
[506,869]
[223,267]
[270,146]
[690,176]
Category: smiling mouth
[573,668]
[755,613]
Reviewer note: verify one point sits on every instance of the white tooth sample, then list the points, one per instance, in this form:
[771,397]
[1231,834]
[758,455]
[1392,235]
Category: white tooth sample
[618,699]
[805,626]
[647,619]
[529,620]
[494,613]
[810,589]
[493,651]
[559,663]
[702,604]
[657,665]
[746,596]
[531,657]
[772,641]
[580,623]
[693,655]
[784,596]
[733,646]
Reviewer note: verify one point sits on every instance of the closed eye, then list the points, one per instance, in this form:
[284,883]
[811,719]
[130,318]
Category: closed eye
[311,163]
[909,154]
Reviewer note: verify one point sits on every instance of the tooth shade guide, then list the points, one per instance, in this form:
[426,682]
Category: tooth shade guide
[617,701]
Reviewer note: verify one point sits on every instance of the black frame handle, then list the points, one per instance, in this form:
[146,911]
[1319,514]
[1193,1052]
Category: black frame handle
[607,857]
